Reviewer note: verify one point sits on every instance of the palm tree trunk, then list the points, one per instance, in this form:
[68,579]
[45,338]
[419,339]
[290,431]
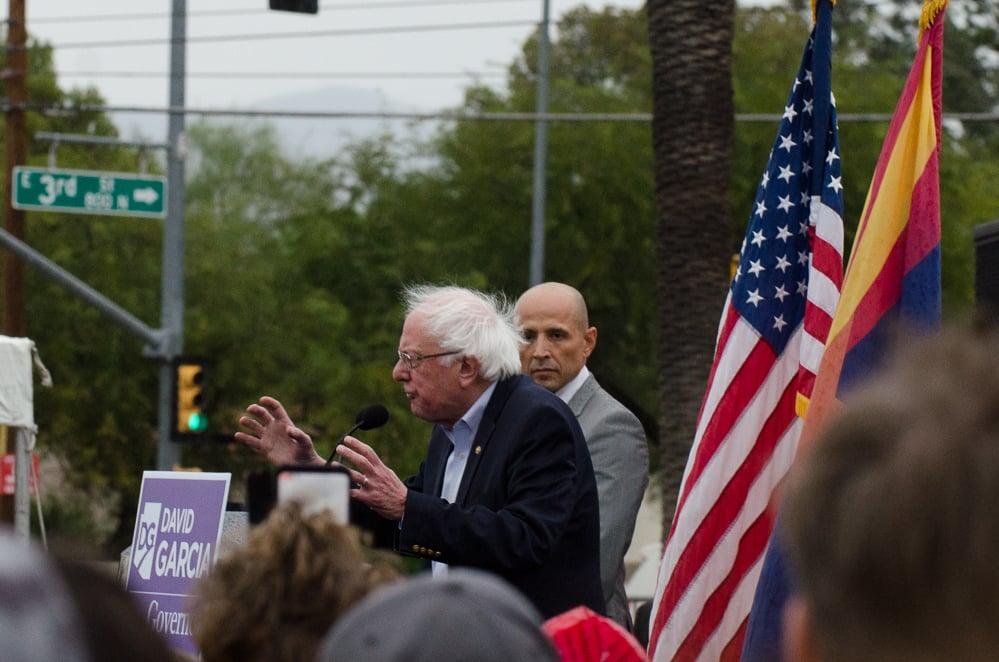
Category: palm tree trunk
[692,133]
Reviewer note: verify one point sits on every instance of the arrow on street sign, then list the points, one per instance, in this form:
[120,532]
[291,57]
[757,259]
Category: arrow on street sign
[146,196]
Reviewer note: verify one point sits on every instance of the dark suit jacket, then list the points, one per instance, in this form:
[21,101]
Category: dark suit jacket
[526,507]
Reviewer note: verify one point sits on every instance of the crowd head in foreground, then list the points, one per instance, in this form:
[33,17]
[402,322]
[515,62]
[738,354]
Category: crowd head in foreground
[57,610]
[275,597]
[891,517]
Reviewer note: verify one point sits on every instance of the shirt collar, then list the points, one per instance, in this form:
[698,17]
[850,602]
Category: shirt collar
[566,392]
[473,417]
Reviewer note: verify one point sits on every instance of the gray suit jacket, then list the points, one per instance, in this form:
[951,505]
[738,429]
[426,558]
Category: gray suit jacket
[616,441]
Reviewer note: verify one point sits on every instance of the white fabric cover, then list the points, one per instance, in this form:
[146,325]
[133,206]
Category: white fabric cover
[16,408]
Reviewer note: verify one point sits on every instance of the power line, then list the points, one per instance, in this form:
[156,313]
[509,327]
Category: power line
[285,74]
[58,109]
[642,117]
[302,34]
[248,11]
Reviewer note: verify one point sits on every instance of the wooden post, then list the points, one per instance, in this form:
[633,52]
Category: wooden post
[15,76]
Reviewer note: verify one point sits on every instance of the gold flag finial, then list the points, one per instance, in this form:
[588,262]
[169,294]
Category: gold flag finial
[931,9]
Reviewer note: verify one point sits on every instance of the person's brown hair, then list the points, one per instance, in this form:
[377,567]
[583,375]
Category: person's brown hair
[276,597]
[891,519]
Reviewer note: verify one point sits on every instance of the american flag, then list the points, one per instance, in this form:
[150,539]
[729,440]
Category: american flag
[770,342]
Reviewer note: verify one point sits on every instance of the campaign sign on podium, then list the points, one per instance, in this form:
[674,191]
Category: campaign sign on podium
[177,529]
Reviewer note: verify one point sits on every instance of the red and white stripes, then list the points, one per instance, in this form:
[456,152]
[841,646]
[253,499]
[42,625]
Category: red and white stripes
[718,537]
[825,280]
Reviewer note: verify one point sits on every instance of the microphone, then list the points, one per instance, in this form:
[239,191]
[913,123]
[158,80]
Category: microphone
[369,418]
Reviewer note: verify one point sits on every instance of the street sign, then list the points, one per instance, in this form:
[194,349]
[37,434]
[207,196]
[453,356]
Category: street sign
[89,192]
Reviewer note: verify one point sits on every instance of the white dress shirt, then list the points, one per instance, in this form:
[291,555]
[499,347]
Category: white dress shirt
[566,392]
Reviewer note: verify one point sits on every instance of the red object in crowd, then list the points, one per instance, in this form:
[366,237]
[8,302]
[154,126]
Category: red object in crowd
[581,635]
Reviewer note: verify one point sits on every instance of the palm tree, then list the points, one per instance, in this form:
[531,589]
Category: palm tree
[692,134]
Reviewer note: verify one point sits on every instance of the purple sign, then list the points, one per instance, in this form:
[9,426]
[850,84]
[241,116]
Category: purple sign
[176,538]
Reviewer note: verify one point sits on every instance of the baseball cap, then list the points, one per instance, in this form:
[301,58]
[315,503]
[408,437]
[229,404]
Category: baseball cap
[464,615]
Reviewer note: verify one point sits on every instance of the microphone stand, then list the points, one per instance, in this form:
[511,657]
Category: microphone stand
[336,455]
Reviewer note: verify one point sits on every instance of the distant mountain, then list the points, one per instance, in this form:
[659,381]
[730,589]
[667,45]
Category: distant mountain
[313,138]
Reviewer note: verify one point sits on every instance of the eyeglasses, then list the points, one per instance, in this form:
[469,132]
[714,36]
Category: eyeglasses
[413,360]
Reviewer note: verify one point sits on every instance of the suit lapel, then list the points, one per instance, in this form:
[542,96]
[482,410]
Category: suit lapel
[485,432]
[437,454]
[583,395]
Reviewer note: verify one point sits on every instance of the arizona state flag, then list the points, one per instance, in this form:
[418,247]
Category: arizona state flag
[892,283]
[893,275]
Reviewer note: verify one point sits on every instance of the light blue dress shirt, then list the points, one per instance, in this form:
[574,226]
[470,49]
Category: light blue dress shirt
[461,434]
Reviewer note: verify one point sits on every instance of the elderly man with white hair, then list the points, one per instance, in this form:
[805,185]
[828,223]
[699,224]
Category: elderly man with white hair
[507,484]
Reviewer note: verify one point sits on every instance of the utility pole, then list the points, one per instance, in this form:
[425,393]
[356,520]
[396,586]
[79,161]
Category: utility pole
[540,155]
[172,284]
[16,146]
[15,76]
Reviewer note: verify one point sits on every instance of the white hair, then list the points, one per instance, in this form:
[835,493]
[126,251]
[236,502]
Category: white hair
[471,323]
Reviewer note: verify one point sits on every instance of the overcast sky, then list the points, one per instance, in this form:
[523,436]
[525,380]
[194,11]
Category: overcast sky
[485,49]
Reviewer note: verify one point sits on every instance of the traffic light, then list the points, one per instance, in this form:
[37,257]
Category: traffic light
[300,6]
[191,417]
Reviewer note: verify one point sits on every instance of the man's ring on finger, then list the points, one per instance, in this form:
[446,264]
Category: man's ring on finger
[365,483]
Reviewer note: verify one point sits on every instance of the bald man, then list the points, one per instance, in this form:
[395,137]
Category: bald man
[559,339]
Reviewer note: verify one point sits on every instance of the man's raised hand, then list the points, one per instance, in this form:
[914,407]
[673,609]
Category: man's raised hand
[378,486]
[272,434]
